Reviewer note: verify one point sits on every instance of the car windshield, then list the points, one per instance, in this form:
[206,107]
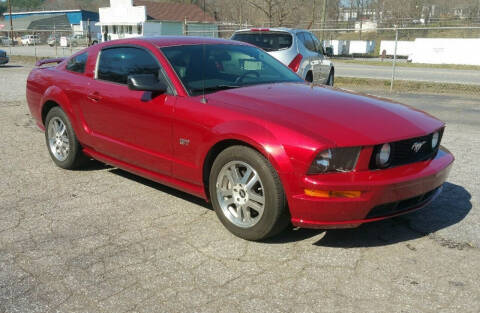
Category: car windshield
[268,41]
[210,68]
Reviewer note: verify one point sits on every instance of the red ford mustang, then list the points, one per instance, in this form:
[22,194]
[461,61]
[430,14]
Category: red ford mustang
[225,121]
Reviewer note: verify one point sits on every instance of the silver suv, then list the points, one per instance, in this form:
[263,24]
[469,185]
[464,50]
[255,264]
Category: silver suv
[299,49]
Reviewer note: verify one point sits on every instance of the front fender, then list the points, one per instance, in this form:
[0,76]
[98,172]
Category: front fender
[289,156]
[256,136]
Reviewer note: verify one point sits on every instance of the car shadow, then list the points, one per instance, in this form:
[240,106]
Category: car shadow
[451,207]
[11,66]
[162,188]
[93,165]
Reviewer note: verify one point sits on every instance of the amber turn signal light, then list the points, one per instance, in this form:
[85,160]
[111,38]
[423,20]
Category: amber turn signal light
[332,193]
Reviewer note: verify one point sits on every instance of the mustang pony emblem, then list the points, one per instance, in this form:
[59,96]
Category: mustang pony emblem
[418,145]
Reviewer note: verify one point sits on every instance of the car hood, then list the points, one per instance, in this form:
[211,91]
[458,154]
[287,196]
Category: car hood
[339,116]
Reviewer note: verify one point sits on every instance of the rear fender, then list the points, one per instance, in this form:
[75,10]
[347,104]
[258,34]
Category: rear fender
[306,69]
[55,94]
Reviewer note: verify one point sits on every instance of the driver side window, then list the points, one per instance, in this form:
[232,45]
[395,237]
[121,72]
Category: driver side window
[116,64]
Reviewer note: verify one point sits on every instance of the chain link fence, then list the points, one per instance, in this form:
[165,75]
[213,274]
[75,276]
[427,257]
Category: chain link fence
[413,59]
[43,44]
[438,59]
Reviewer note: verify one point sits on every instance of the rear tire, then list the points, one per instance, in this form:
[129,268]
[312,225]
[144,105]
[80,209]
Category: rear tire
[62,143]
[247,194]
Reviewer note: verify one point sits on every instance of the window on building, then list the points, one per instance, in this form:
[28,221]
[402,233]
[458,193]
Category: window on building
[77,63]
[114,29]
[139,29]
[130,29]
[116,64]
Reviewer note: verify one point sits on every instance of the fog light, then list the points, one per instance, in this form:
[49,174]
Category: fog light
[333,193]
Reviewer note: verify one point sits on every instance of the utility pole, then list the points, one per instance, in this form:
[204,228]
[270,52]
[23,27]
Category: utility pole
[313,15]
[394,65]
[324,12]
[11,22]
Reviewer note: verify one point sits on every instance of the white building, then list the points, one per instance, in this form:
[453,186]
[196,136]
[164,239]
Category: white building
[361,46]
[128,18]
[404,48]
[365,26]
[446,51]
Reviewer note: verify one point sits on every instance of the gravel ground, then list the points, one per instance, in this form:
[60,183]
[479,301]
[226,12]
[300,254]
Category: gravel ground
[103,240]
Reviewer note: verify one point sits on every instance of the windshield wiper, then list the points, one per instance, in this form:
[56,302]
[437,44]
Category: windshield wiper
[215,88]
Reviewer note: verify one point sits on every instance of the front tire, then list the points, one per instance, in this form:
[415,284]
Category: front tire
[62,143]
[247,194]
[309,77]
[331,78]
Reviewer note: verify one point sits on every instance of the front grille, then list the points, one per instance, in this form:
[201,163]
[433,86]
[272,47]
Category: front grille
[403,205]
[402,152]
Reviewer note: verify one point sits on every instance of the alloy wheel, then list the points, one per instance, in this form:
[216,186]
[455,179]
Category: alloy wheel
[240,194]
[58,140]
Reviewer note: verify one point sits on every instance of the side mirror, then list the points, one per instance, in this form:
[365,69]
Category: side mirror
[146,82]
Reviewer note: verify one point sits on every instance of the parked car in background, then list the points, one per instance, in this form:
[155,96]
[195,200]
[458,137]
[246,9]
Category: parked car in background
[3,57]
[53,40]
[299,49]
[227,122]
[80,41]
[6,41]
[28,40]
[73,40]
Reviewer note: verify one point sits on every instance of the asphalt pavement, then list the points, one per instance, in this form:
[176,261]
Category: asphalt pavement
[103,240]
[438,75]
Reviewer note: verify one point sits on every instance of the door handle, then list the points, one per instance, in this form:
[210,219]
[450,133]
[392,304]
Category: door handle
[94,96]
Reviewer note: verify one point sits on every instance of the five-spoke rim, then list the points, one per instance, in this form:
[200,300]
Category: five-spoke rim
[58,140]
[240,194]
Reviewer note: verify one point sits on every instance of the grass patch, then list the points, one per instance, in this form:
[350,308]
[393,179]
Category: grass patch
[406,86]
[23,59]
[27,59]
[406,64]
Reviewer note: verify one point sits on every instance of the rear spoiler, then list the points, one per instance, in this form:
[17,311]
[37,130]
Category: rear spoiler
[48,61]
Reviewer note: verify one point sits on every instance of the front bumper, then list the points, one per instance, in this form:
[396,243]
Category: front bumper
[385,193]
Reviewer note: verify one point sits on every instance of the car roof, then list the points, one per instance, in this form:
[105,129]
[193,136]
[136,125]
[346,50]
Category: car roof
[166,41]
[273,29]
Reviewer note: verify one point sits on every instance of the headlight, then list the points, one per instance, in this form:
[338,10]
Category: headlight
[435,138]
[383,156]
[335,160]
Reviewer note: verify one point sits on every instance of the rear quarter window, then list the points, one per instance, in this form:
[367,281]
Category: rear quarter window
[268,41]
[77,63]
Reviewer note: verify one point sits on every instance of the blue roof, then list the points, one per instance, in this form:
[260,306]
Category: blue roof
[74,16]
